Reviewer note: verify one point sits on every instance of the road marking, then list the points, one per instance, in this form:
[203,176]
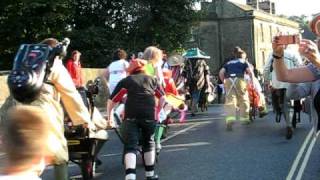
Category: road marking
[298,157]
[187,145]
[110,155]
[182,131]
[203,119]
[2,154]
[306,157]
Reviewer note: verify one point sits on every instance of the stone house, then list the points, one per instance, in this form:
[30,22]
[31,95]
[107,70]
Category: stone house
[225,24]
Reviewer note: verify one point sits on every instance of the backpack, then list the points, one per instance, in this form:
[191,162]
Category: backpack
[30,70]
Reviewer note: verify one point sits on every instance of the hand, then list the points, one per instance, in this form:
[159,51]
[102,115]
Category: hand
[278,49]
[111,124]
[309,50]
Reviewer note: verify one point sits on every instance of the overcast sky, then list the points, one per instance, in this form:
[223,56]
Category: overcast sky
[294,7]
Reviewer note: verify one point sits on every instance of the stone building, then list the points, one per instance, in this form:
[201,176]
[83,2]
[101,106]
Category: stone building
[225,25]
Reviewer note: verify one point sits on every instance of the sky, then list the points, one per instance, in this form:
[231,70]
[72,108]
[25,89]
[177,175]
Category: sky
[294,7]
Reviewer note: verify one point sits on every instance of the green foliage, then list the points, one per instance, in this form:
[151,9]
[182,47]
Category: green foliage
[26,21]
[96,27]
[304,25]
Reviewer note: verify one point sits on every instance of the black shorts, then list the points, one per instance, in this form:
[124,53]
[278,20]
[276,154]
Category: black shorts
[138,131]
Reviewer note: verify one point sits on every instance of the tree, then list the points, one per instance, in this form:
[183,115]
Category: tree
[304,25]
[29,21]
[96,27]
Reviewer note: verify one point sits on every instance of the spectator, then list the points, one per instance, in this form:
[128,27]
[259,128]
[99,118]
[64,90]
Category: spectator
[280,100]
[75,70]
[25,135]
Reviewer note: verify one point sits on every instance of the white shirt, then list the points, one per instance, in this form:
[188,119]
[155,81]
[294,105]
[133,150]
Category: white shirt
[117,71]
[291,60]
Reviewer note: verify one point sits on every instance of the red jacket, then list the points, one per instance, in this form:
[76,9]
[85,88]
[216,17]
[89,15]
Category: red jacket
[74,70]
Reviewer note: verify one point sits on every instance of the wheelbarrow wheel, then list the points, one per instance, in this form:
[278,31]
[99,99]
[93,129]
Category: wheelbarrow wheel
[87,169]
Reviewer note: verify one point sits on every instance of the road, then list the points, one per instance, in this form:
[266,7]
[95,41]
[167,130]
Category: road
[203,150]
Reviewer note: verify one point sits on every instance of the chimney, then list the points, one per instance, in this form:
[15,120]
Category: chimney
[267,6]
[253,3]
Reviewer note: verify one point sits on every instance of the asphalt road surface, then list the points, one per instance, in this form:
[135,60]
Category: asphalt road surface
[202,149]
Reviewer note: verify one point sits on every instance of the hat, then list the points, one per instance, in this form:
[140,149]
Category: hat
[175,60]
[315,25]
[195,53]
[167,73]
[136,65]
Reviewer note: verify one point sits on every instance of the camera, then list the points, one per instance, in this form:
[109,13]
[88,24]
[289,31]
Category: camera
[288,39]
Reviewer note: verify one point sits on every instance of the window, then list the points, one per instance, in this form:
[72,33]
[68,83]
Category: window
[262,34]
[263,58]
[271,34]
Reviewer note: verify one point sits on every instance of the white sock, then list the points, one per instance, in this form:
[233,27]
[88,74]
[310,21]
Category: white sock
[149,158]
[130,160]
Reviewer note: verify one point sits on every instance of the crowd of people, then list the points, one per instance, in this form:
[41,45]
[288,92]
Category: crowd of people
[151,85]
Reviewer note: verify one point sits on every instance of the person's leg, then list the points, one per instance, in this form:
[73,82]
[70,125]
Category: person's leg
[100,144]
[194,102]
[131,135]
[287,114]
[158,134]
[275,96]
[230,104]
[61,171]
[148,148]
[243,100]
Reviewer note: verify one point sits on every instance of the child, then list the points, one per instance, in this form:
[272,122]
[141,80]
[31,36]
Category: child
[25,135]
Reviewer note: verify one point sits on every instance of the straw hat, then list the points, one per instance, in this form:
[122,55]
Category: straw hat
[195,53]
[175,60]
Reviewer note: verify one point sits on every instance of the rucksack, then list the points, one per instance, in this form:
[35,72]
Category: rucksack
[31,68]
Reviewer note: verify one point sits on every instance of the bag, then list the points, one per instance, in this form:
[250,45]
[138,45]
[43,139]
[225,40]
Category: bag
[31,67]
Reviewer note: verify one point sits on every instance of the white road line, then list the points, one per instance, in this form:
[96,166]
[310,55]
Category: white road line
[204,119]
[109,155]
[306,158]
[182,131]
[298,157]
[186,145]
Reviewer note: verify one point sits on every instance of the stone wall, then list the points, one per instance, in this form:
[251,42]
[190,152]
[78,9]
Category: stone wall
[89,74]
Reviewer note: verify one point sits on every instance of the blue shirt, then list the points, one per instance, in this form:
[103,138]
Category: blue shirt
[236,66]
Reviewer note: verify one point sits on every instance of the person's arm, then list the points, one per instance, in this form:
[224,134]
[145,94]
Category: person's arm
[114,98]
[295,75]
[222,74]
[71,98]
[250,73]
